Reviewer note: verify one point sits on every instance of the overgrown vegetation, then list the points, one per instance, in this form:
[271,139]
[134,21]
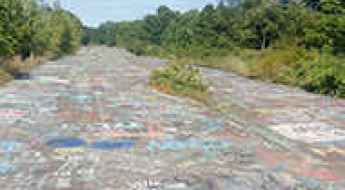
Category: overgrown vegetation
[290,42]
[29,30]
[178,79]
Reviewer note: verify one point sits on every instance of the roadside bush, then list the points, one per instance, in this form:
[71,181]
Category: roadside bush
[157,51]
[179,79]
[30,30]
[278,65]
[325,75]
[320,73]
[27,27]
[137,47]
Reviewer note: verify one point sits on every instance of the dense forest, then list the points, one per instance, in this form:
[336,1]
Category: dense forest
[30,30]
[297,43]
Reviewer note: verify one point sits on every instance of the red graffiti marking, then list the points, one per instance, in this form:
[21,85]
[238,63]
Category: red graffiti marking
[152,132]
[205,113]
[322,174]
[83,116]
[234,135]
[302,168]
[12,113]
[270,158]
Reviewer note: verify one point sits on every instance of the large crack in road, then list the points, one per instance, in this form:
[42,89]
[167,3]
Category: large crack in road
[91,121]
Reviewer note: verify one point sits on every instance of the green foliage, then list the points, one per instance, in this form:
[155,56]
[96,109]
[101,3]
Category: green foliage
[328,26]
[65,31]
[284,35]
[278,65]
[105,34]
[15,26]
[214,30]
[29,29]
[263,26]
[314,71]
[178,38]
[325,75]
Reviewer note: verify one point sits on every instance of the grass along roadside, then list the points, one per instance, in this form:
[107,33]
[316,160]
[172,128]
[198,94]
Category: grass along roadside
[315,71]
[13,67]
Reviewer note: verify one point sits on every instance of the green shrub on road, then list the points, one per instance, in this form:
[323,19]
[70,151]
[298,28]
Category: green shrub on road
[178,79]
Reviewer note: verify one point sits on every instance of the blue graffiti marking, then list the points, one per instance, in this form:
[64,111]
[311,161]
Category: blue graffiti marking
[341,116]
[128,125]
[178,145]
[82,98]
[5,168]
[66,142]
[212,125]
[337,143]
[113,144]
[10,146]
[173,145]
[171,115]
[214,146]
[309,183]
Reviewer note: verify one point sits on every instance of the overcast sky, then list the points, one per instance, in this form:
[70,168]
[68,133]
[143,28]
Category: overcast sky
[94,12]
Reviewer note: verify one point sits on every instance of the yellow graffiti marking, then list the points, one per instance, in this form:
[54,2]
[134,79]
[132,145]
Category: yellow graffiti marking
[62,151]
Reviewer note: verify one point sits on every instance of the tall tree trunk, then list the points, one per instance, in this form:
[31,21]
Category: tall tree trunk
[263,43]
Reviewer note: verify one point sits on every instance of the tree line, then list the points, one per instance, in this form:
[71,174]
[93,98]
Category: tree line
[33,29]
[299,43]
[257,24]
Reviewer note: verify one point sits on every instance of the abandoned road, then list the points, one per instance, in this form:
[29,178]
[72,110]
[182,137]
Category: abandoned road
[91,122]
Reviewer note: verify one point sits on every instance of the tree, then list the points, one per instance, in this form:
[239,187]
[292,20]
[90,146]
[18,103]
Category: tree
[328,26]
[264,24]
[30,28]
[313,4]
[12,26]
[155,25]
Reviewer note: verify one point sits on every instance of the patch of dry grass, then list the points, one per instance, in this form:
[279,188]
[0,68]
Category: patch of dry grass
[4,77]
[10,67]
